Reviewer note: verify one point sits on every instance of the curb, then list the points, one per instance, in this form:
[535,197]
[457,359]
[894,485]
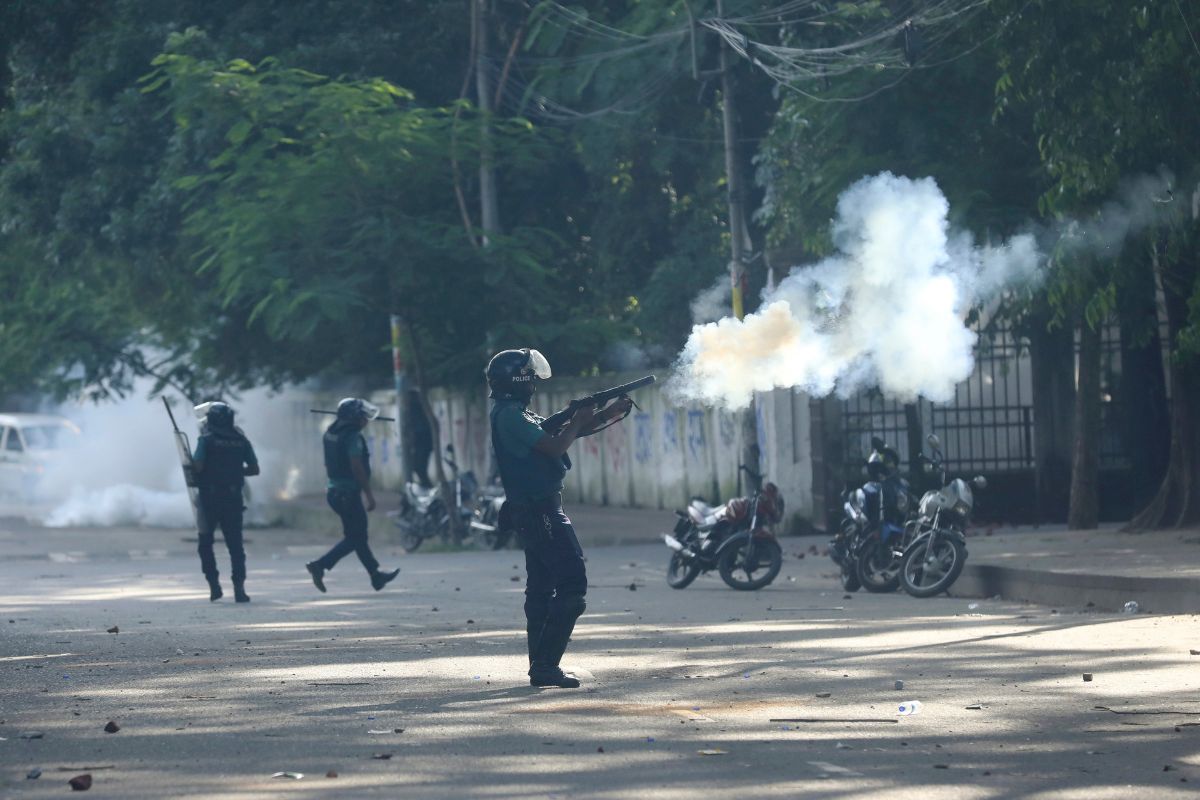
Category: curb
[1104,592]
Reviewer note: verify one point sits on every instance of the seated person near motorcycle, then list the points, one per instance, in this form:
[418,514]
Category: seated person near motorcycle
[532,466]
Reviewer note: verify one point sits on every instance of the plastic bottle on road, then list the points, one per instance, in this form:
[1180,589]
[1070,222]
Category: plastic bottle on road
[1131,607]
[908,708]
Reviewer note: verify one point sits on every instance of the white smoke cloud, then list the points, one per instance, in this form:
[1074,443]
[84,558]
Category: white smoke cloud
[713,303]
[887,310]
[124,468]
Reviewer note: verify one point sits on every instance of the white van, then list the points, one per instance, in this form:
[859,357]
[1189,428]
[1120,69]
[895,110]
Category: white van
[27,443]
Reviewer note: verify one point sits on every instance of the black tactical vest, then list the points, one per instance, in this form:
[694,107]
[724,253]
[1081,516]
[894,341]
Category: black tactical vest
[224,456]
[337,456]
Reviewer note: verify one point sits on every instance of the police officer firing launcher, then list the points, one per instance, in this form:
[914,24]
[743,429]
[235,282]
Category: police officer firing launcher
[533,463]
[223,459]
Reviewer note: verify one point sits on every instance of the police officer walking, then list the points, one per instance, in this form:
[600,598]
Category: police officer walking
[348,465]
[532,466]
[223,459]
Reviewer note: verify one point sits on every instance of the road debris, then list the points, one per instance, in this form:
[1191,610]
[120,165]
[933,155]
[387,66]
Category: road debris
[81,783]
[633,587]
[31,735]
[908,708]
[113,629]
[977,707]
[713,752]
[839,721]
[824,694]
[33,774]
[111,727]
[331,774]
[1147,711]
[295,776]
[1131,607]
[1087,677]
[898,685]
[381,756]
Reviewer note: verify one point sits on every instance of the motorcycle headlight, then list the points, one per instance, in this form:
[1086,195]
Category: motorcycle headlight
[962,508]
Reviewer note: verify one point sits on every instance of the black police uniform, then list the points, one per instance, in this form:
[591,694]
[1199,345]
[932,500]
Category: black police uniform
[557,578]
[225,454]
[344,495]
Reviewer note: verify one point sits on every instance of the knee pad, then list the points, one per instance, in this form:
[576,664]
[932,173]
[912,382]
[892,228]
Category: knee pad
[570,606]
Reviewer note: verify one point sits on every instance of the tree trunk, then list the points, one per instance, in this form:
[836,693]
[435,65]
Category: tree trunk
[446,486]
[489,205]
[1084,513]
[1052,359]
[1142,388]
[1177,502]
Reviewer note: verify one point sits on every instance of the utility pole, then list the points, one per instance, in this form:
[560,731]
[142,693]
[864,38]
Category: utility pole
[489,206]
[738,241]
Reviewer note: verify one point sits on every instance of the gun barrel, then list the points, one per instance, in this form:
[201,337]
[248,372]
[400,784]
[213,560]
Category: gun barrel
[625,388]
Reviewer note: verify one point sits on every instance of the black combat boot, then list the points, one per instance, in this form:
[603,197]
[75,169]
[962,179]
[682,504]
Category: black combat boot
[550,646]
[382,579]
[318,574]
[239,593]
[214,589]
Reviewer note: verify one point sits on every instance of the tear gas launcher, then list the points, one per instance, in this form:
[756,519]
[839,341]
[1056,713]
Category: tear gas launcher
[555,422]
[189,468]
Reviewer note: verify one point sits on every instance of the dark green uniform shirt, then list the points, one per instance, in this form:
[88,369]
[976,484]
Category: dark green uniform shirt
[526,473]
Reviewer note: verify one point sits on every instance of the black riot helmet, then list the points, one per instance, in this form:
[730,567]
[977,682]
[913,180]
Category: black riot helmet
[512,374]
[355,409]
[217,415]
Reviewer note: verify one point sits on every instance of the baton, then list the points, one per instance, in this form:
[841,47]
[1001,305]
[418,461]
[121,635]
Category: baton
[377,419]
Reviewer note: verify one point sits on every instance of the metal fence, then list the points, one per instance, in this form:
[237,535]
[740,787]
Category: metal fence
[989,425]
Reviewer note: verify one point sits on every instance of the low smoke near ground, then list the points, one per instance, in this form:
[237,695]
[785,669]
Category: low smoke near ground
[123,469]
[887,310]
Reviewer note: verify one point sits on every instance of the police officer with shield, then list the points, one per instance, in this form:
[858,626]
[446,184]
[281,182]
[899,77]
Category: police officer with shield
[223,460]
[532,466]
[348,465]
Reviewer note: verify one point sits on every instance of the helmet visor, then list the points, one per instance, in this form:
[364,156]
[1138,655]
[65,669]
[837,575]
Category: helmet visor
[369,410]
[539,364]
[201,411]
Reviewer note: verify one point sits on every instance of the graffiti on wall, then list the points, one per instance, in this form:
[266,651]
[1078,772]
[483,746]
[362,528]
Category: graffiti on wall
[695,434]
[670,430]
[643,438]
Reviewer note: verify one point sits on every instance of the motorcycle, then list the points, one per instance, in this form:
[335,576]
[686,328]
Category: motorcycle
[485,519]
[735,539]
[937,552]
[423,514]
[875,526]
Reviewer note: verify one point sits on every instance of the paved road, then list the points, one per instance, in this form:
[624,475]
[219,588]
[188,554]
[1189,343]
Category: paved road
[212,699]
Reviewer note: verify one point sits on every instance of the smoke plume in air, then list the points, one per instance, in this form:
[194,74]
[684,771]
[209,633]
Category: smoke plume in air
[887,310]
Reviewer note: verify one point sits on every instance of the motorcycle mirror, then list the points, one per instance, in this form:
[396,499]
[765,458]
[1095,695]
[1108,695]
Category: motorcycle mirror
[934,441]
[979,481]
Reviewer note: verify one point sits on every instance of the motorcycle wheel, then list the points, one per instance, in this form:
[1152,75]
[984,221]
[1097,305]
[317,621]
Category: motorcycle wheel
[410,540]
[878,571]
[925,574]
[680,572]
[849,576]
[767,553]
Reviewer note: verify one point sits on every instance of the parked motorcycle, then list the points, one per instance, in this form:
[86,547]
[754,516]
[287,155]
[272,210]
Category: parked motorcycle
[423,514]
[736,539]
[486,521]
[874,526]
[937,552]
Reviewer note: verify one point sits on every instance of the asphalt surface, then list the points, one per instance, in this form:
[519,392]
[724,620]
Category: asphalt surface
[786,692]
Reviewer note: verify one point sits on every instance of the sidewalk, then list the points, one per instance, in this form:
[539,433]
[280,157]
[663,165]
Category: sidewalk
[1101,569]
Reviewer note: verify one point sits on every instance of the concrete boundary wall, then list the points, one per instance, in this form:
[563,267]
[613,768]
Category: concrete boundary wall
[659,457]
